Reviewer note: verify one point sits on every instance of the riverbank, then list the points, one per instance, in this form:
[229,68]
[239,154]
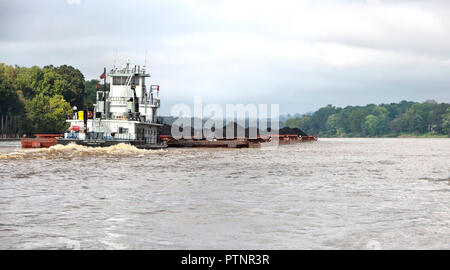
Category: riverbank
[402,135]
[426,135]
[9,139]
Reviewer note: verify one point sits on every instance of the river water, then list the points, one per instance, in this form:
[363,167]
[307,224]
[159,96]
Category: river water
[331,194]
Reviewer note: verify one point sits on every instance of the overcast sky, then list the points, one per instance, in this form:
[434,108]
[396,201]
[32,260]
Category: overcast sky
[300,54]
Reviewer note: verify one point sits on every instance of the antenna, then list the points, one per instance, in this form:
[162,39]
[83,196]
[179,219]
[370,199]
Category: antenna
[145,62]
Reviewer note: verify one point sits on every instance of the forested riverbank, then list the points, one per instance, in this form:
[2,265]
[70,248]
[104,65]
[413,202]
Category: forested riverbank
[404,119]
[39,100]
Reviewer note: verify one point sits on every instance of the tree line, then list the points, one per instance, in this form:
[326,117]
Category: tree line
[384,120]
[43,98]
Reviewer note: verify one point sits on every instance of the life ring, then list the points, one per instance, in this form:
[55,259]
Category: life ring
[89,114]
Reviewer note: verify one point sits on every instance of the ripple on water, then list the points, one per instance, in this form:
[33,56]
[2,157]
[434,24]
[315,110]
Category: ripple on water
[338,193]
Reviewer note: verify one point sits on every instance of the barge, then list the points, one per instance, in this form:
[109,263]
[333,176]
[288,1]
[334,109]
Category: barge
[223,143]
[237,142]
[283,136]
[41,141]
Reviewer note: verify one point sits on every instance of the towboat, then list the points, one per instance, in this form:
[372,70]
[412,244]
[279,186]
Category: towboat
[124,113]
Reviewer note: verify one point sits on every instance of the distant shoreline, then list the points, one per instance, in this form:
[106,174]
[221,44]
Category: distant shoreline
[394,137]
[9,140]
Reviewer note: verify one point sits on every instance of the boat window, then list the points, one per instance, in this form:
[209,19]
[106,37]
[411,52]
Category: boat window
[123,130]
[123,80]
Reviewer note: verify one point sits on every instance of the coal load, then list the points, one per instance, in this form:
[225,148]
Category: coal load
[165,130]
[292,131]
[249,132]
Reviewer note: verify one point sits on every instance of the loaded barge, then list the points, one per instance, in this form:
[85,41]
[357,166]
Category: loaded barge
[237,142]
[283,136]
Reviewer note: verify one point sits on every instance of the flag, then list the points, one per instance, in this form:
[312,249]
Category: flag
[103,76]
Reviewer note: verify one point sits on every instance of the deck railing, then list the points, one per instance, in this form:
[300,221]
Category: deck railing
[100,136]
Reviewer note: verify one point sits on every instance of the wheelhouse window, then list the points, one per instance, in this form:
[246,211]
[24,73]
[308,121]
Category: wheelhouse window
[122,80]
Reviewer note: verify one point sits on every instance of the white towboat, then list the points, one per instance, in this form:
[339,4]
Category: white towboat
[126,113]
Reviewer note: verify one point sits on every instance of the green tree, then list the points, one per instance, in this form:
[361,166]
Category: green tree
[90,92]
[303,123]
[51,84]
[320,118]
[72,85]
[398,125]
[48,114]
[371,125]
[9,100]
[356,118]
[383,120]
[446,122]
[435,117]
[333,125]
[27,80]
[293,122]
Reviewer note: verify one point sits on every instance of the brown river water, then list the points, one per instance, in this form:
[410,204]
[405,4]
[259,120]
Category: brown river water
[330,194]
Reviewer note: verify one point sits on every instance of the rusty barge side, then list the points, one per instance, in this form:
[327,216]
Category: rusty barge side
[41,141]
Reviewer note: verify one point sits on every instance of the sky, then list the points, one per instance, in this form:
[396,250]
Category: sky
[299,54]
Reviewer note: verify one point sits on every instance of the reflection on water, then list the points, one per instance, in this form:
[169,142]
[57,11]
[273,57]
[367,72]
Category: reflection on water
[335,193]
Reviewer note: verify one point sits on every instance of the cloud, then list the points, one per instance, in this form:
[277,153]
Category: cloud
[73,2]
[302,54]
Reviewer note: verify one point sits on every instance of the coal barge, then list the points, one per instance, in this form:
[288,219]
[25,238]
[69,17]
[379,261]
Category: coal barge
[282,136]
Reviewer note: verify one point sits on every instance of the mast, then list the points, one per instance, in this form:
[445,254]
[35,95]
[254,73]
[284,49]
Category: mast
[104,91]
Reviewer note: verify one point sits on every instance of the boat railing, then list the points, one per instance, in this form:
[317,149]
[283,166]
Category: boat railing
[100,136]
[124,100]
